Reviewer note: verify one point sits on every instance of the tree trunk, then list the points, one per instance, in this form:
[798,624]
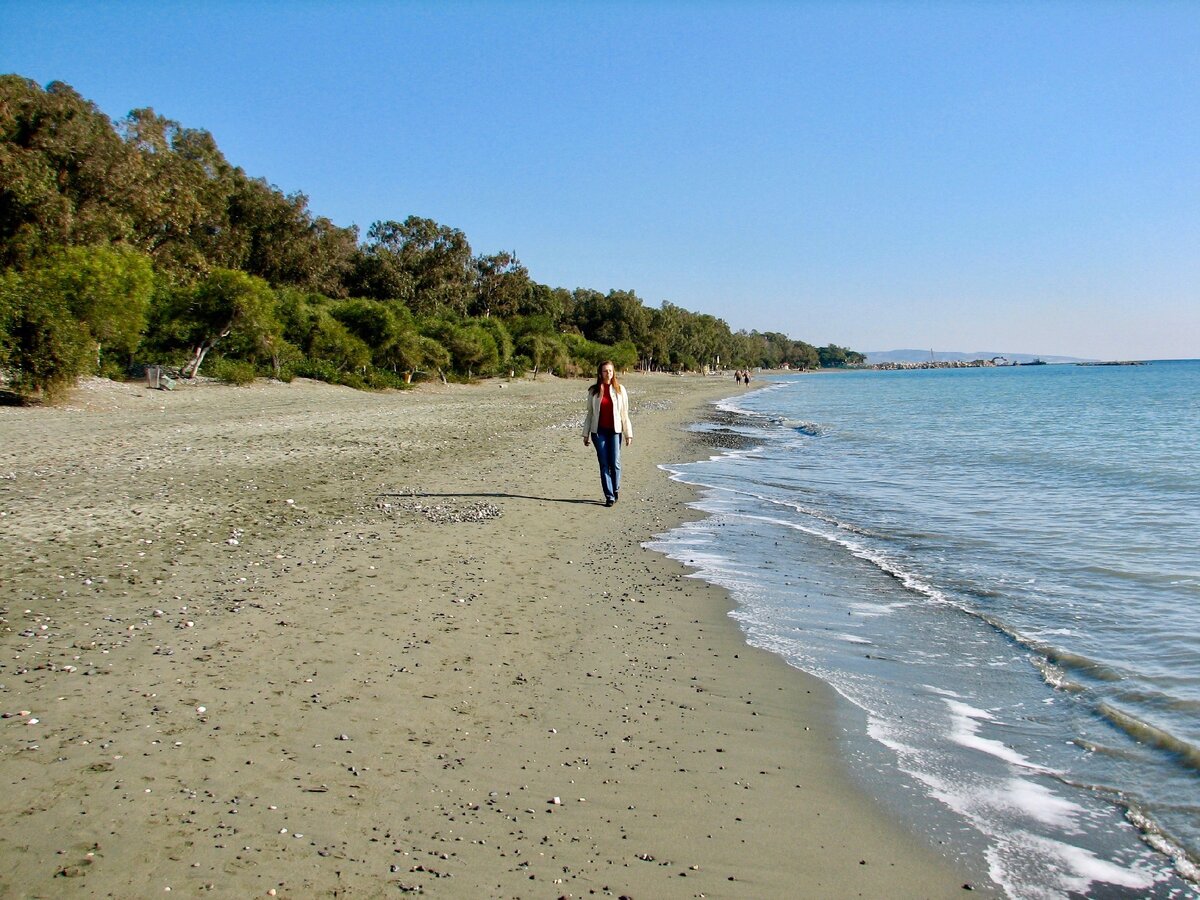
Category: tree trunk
[193,368]
[190,370]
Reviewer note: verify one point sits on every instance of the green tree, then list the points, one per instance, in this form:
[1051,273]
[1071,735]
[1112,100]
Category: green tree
[832,356]
[224,302]
[803,356]
[556,304]
[612,317]
[282,243]
[501,283]
[179,203]
[545,352]
[624,356]
[413,353]
[472,348]
[334,343]
[436,259]
[502,338]
[374,323]
[536,339]
[585,355]
[65,175]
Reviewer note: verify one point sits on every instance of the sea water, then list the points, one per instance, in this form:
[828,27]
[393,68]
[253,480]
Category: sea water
[999,569]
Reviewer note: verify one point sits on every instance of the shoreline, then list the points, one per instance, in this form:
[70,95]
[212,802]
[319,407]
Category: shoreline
[302,639]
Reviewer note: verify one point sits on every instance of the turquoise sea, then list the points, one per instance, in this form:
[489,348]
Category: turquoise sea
[999,571]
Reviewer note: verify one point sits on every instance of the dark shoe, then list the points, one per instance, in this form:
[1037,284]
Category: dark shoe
[609,502]
[616,496]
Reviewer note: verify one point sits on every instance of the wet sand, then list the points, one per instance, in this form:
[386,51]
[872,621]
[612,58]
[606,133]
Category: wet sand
[322,643]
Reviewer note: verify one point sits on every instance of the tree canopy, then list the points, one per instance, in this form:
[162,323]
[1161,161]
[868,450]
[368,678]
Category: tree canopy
[136,242]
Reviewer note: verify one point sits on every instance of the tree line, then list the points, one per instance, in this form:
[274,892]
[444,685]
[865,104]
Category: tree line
[136,242]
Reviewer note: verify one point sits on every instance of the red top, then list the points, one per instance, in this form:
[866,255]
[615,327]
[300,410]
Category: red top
[606,409]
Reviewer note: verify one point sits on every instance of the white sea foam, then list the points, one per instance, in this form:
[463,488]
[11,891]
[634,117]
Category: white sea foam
[964,731]
[1037,801]
[872,610]
[1034,866]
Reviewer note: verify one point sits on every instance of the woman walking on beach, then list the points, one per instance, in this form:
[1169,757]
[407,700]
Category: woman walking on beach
[605,424]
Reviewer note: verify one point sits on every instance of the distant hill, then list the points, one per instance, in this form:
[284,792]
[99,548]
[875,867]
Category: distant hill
[887,356]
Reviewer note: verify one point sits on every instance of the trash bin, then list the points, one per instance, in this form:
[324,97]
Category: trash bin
[153,374]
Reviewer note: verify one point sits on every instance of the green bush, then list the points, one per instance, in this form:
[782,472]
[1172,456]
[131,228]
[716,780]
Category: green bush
[520,364]
[46,347]
[232,371]
[382,379]
[316,369]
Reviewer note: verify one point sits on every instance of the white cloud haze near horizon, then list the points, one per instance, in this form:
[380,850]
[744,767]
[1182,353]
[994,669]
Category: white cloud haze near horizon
[1008,177]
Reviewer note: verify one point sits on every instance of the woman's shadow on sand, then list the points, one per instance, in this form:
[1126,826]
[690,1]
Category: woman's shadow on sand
[499,496]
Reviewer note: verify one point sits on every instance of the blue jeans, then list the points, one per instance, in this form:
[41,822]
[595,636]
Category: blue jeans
[608,454]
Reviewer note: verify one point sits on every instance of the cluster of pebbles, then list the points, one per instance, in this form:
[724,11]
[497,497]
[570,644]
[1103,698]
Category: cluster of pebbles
[442,513]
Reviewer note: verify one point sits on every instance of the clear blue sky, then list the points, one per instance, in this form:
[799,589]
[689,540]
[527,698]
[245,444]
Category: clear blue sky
[1008,176]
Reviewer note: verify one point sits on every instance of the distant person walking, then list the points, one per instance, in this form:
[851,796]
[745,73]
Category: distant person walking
[605,423]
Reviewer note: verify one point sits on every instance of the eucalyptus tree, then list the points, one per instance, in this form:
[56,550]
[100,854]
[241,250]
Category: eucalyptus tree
[802,355]
[280,241]
[177,206]
[436,258]
[612,317]
[373,322]
[413,353]
[378,273]
[65,175]
[557,304]
[501,284]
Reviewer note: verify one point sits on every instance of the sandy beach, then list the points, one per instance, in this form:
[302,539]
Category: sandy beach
[295,640]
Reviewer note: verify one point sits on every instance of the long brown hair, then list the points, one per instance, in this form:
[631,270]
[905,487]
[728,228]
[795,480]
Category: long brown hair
[595,388]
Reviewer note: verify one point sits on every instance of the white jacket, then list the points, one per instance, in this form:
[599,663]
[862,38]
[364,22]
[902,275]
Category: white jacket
[621,423]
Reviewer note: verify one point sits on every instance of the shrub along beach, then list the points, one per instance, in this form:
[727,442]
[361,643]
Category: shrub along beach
[305,639]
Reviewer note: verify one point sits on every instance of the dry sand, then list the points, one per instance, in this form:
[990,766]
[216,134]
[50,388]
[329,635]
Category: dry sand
[311,641]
